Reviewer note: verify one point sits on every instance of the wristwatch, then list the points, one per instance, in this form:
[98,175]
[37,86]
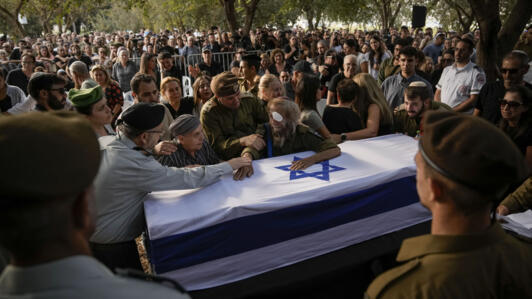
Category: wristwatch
[343,137]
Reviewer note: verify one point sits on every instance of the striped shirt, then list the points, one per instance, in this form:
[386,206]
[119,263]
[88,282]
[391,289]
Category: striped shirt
[181,158]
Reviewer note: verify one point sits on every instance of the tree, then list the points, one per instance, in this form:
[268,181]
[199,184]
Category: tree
[11,10]
[388,11]
[497,40]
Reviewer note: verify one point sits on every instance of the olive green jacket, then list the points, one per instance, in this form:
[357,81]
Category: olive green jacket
[521,199]
[410,126]
[387,69]
[304,139]
[224,127]
[491,264]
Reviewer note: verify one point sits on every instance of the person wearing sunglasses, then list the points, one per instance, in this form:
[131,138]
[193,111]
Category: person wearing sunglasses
[513,68]
[516,119]
[48,91]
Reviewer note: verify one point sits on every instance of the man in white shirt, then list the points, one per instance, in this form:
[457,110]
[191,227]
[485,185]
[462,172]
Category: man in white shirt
[460,83]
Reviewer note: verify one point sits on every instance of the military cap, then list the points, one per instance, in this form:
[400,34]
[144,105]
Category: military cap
[184,124]
[85,97]
[472,152]
[143,116]
[65,163]
[225,84]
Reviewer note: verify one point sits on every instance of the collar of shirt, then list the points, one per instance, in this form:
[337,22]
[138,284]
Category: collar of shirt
[433,244]
[468,66]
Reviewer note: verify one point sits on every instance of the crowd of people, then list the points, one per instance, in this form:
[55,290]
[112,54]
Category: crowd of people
[117,108]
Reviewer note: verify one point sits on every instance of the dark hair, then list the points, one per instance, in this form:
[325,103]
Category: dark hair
[449,51]
[87,110]
[3,72]
[348,90]
[408,52]
[164,55]
[352,44]
[525,121]
[467,41]
[42,81]
[417,91]
[138,78]
[376,54]
[401,42]
[252,61]
[29,55]
[305,92]
[144,60]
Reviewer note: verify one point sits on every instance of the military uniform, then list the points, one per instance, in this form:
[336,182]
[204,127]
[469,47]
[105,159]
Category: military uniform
[387,69]
[521,199]
[245,89]
[304,139]
[410,126]
[488,265]
[77,276]
[224,127]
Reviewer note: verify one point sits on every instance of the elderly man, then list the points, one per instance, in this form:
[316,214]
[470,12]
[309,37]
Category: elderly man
[418,100]
[284,135]
[230,119]
[48,216]
[128,173]
[460,179]
[192,147]
[350,66]
[80,76]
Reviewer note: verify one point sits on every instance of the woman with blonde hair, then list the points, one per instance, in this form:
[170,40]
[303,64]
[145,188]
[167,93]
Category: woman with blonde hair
[371,105]
[270,88]
[111,89]
[172,97]
[202,93]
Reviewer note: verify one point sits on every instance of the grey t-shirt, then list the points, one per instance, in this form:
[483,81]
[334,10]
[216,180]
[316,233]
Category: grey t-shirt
[312,119]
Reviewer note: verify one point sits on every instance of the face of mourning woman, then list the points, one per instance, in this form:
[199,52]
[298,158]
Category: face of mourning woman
[205,91]
[273,91]
[512,107]
[172,91]
[101,113]
[99,76]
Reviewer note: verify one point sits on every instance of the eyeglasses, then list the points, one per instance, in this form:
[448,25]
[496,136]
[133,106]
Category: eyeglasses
[511,104]
[511,71]
[60,90]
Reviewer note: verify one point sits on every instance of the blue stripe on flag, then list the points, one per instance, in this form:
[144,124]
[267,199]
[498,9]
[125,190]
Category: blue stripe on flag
[256,231]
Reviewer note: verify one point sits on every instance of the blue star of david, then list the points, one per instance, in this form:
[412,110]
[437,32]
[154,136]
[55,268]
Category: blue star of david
[323,175]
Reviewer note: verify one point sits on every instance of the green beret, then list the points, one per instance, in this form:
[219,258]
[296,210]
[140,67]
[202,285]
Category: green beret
[225,84]
[472,152]
[85,97]
[46,154]
[144,116]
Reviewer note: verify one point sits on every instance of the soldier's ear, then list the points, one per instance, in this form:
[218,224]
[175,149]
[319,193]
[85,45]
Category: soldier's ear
[436,188]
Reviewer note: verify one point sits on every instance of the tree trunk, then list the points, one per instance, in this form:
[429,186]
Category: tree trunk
[230,14]
[250,8]
[12,17]
[495,42]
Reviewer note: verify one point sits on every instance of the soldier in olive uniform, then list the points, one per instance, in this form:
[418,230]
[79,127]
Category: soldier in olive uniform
[461,176]
[518,201]
[249,66]
[285,136]
[407,119]
[230,119]
[47,212]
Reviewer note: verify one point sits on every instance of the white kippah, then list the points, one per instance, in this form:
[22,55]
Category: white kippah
[418,84]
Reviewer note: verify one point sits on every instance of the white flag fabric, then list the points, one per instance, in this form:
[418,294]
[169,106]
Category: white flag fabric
[233,230]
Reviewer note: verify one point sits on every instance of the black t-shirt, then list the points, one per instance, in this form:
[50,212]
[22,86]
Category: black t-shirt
[521,138]
[334,81]
[488,101]
[84,58]
[5,103]
[186,107]
[174,72]
[340,120]
[212,70]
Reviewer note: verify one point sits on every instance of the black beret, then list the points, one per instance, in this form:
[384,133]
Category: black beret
[47,154]
[472,152]
[143,116]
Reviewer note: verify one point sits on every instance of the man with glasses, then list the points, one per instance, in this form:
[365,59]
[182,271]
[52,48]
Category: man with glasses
[446,60]
[48,91]
[20,77]
[230,119]
[514,67]
[128,172]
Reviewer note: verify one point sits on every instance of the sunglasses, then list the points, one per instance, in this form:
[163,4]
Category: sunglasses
[60,90]
[511,104]
[511,71]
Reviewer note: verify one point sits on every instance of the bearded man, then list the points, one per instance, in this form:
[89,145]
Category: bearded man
[418,100]
[285,135]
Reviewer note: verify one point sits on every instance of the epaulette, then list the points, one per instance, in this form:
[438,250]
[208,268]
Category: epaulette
[386,279]
[137,274]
